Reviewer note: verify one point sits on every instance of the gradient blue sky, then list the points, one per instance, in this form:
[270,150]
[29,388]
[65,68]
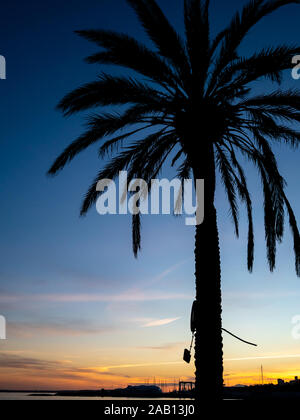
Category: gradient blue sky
[70,289]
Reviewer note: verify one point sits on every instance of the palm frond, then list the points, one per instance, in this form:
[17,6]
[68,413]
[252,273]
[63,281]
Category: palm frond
[99,126]
[136,234]
[176,157]
[273,185]
[240,25]
[157,150]
[276,183]
[198,41]
[266,126]
[184,170]
[109,90]
[270,219]
[268,63]
[295,233]
[121,162]
[126,51]
[261,115]
[229,184]
[216,42]
[245,197]
[110,145]
[289,98]
[163,35]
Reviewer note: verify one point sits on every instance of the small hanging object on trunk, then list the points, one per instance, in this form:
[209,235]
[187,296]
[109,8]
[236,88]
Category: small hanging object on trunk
[187,353]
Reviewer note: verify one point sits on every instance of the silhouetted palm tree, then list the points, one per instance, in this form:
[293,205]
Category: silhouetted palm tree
[195,94]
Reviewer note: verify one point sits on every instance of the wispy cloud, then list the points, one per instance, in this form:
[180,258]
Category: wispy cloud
[8,360]
[160,322]
[168,271]
[53,367]
[91,297]
[162,347]
[269,294]
[279,356]
[134,365]
[58,328]
[142,291]
[137,289]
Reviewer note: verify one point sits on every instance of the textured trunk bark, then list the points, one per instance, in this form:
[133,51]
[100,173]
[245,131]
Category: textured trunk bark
[208,339]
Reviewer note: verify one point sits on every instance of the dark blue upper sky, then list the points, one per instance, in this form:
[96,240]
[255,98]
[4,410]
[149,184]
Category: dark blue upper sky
[44,61]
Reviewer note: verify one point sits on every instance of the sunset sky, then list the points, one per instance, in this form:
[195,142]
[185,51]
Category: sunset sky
[81,311]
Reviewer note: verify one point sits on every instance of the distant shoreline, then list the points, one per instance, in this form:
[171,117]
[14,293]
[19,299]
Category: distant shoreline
[96,393]
[266,392]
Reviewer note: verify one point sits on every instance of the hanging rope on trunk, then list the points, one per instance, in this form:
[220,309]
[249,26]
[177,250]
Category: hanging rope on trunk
[193,336]
[193,326]
[235,336]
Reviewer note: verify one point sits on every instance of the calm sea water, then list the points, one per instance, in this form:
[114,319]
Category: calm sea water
[26,396]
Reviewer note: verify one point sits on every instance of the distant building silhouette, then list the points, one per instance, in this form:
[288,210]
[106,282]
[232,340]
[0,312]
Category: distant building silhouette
[293,381]
[139,390]
[186,387]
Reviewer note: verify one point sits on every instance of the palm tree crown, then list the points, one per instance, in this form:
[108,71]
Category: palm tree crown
[199,85]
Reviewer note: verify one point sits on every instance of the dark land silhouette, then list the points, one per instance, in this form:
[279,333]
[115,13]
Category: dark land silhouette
[280,391]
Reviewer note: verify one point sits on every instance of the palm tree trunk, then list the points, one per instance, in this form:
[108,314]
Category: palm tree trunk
[208,340]
[208,320]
